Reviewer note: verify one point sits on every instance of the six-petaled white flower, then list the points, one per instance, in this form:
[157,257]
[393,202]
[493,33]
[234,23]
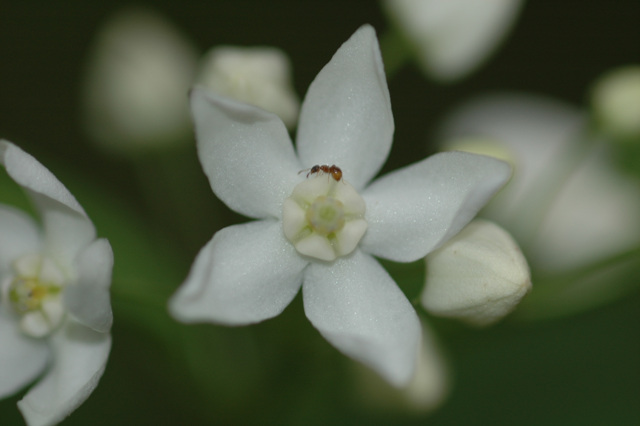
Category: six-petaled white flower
[250,272]
[55,311]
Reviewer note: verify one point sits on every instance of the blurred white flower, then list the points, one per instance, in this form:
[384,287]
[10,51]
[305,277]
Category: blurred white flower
[616,103]
[248,273]
[567,204]
[259,76]
[453,37]
[140,72]
[138,77]
[55,314]
[478,276]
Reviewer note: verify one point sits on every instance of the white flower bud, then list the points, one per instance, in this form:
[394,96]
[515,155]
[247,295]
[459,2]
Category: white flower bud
[137,84]
[479,276]
[259,76]
[452,37]
[616,103]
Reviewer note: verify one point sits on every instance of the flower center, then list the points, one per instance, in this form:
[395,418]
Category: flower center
[324,217]
[34,294]
[26,294]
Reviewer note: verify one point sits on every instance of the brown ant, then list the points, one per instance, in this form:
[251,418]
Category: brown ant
[333,170]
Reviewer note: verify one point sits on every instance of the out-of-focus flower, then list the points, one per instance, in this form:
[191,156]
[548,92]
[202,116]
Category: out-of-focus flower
[248,273]
[478,276]
[135,93]
[55,314]
[140,72]
[566,204]
[616,103]
[259,76]
[427,390]
[452,37]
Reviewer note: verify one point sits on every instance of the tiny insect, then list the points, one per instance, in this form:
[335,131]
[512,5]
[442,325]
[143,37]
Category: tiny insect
[333,170]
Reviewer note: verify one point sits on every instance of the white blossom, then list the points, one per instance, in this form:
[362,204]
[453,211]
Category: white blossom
[452,37]
[566,204]
[55,312]
[250,272]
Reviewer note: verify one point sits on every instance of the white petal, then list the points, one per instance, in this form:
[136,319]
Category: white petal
[20,236]
[245,152]
[346,115]
[563,196]
[478,276]
[427,389]
[22,358]
[88,298]
[246,273]
[415,209]
[79,358]
[360,310]
[537,133]
[453,37]
[67,227]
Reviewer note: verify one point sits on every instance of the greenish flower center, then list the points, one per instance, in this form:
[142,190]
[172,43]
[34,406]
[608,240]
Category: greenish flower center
[326,215]
[26,294]
[34,294]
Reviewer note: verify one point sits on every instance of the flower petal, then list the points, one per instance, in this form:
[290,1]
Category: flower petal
[67,227]
[346,116]
[428,388]
[245,274]
[245,152]
[453,37]
[360,310]
[537,133]
[79,358]
[415,209]
[19,235]
[88,299]
[22,358]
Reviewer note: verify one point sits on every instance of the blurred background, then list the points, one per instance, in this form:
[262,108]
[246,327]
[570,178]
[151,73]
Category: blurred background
[583,369]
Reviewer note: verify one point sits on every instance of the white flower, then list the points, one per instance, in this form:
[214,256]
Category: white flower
[135,93]
[452,37]
[566,204]
[259,76]
[140,72]
[478,276]
[55,314]
[250,272]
